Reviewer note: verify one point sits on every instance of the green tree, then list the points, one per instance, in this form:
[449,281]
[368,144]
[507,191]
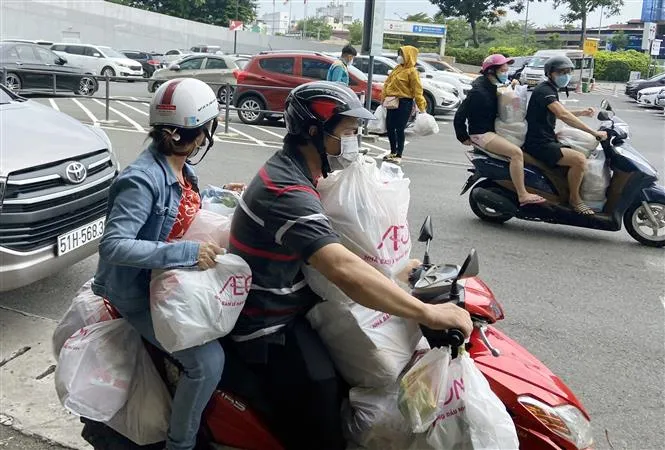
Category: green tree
[619,40]
[419,17]
[554,41]
[316,28]
[578,10]
[214,12]
[356,32]
[476,11]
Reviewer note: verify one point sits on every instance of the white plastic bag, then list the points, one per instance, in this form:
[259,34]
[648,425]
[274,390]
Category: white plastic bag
[513,104]
[95,368]
[471,416]
[425,125]
[219,200]
[422,387]
[514,132]
[209,226]
[145,417]
[373,421]
[86,309]
[378,126]
[191,307]
[597,178]
[369,348]
[370,214]
[575,139]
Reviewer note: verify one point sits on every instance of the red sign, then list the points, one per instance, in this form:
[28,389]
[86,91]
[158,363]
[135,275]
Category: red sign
[236,25]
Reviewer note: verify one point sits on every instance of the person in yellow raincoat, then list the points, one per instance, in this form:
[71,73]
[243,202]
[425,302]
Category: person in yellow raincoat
[399,92]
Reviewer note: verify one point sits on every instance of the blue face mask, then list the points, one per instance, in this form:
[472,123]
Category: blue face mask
[562,80]
[502,77]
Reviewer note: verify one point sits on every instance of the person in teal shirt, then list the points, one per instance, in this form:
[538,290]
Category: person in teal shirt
[339,71]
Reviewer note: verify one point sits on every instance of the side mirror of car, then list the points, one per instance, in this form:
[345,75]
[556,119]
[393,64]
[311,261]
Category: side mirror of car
[175,67]
[421,69]
[390,71]
[61,61]
[662,81]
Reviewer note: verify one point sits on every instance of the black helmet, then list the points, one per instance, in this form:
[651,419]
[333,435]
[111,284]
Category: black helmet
[315,104]
[558,63]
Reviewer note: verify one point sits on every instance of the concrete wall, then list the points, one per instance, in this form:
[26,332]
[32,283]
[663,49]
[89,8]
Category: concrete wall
[122,27]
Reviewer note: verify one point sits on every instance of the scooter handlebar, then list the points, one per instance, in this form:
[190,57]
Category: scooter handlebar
[455,337]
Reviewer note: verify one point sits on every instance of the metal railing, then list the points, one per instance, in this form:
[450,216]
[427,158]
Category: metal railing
[229,92]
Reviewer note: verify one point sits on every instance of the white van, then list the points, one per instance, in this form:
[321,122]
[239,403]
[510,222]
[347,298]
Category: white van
[534,72]
[99,60]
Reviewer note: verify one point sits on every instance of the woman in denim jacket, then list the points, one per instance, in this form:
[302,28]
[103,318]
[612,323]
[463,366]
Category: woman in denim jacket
[151,205]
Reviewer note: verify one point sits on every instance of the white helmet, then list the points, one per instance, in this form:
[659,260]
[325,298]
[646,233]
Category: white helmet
[183,103]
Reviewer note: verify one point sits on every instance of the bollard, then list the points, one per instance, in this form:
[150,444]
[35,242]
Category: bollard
[227,109]
[55,86]
[108,82]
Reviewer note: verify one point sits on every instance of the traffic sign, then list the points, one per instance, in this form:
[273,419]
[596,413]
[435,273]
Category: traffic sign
[236,25]
[655,47]
[591,46]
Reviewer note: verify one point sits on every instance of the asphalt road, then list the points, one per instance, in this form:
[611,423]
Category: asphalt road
[11,439]
[589,304]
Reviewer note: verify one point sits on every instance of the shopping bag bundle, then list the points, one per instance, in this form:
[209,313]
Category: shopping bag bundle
[511,121]
[190,307]
[209,226]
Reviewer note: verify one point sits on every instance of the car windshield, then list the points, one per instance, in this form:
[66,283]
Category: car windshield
[657,77]
[357,73]
[428,67]
[538,62]
[111,53]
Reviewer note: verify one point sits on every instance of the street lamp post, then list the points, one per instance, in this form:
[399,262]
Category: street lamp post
[526,22]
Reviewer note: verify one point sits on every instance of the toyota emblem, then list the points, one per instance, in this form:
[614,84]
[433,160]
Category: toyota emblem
[76,172]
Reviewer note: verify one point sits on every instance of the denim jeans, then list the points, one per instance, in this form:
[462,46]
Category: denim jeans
[203,366]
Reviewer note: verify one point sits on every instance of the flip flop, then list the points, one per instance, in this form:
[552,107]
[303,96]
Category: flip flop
[583,209]
[389,157]
[535,200]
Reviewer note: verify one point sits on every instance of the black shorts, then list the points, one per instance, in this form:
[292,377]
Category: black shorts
[548,153]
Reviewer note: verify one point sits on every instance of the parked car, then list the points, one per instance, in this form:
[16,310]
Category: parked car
[173,55]
[99,59]
[16,57]
[633,87]
[215,70]
[41,42]
[268,78]
[649,96]
[660,101]
[461,81]
[54,184]
[443,65]
[534,72]
[441,97]
[206,49]
[149,61]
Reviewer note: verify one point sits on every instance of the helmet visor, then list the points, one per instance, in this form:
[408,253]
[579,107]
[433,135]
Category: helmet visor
[360,113]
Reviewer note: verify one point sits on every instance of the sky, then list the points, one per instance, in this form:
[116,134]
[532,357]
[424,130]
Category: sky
[539,13]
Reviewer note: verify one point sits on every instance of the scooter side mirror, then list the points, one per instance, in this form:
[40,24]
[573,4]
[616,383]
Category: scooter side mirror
[471,266]
[604,104]
[605,115]
[426,232]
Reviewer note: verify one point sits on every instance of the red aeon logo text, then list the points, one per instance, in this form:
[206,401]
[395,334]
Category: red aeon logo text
[397,234]
[238,285]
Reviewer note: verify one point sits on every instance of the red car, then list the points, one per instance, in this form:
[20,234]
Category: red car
[268,78]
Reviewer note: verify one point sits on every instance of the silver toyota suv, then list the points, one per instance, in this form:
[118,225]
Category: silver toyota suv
[55,175]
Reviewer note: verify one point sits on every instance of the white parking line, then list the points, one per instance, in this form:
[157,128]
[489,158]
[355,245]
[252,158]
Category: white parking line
[144,103]
[263,144]
[258,141]
[382,151]
[267,131]
[124,116]
[53,104]
[135,109]
[87,112]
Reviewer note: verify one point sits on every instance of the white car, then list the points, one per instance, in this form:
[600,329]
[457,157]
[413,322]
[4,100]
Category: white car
[441,97]
[649,96]
[174,55]
[99,59]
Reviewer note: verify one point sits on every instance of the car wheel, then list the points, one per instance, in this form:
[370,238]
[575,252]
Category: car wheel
[87,86]
[154,86]
[223,96]
[249,110]
[13,82]
[431,104]
[108,72]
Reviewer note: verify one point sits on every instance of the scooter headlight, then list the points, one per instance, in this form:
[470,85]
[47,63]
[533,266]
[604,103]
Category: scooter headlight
[566,421]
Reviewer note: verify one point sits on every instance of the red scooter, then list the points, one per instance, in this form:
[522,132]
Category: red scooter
[546,413]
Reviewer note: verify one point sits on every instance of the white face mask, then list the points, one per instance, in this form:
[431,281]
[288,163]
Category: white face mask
[400,60]
[349,153]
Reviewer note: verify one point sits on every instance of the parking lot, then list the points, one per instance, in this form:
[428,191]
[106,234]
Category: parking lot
[588,303]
